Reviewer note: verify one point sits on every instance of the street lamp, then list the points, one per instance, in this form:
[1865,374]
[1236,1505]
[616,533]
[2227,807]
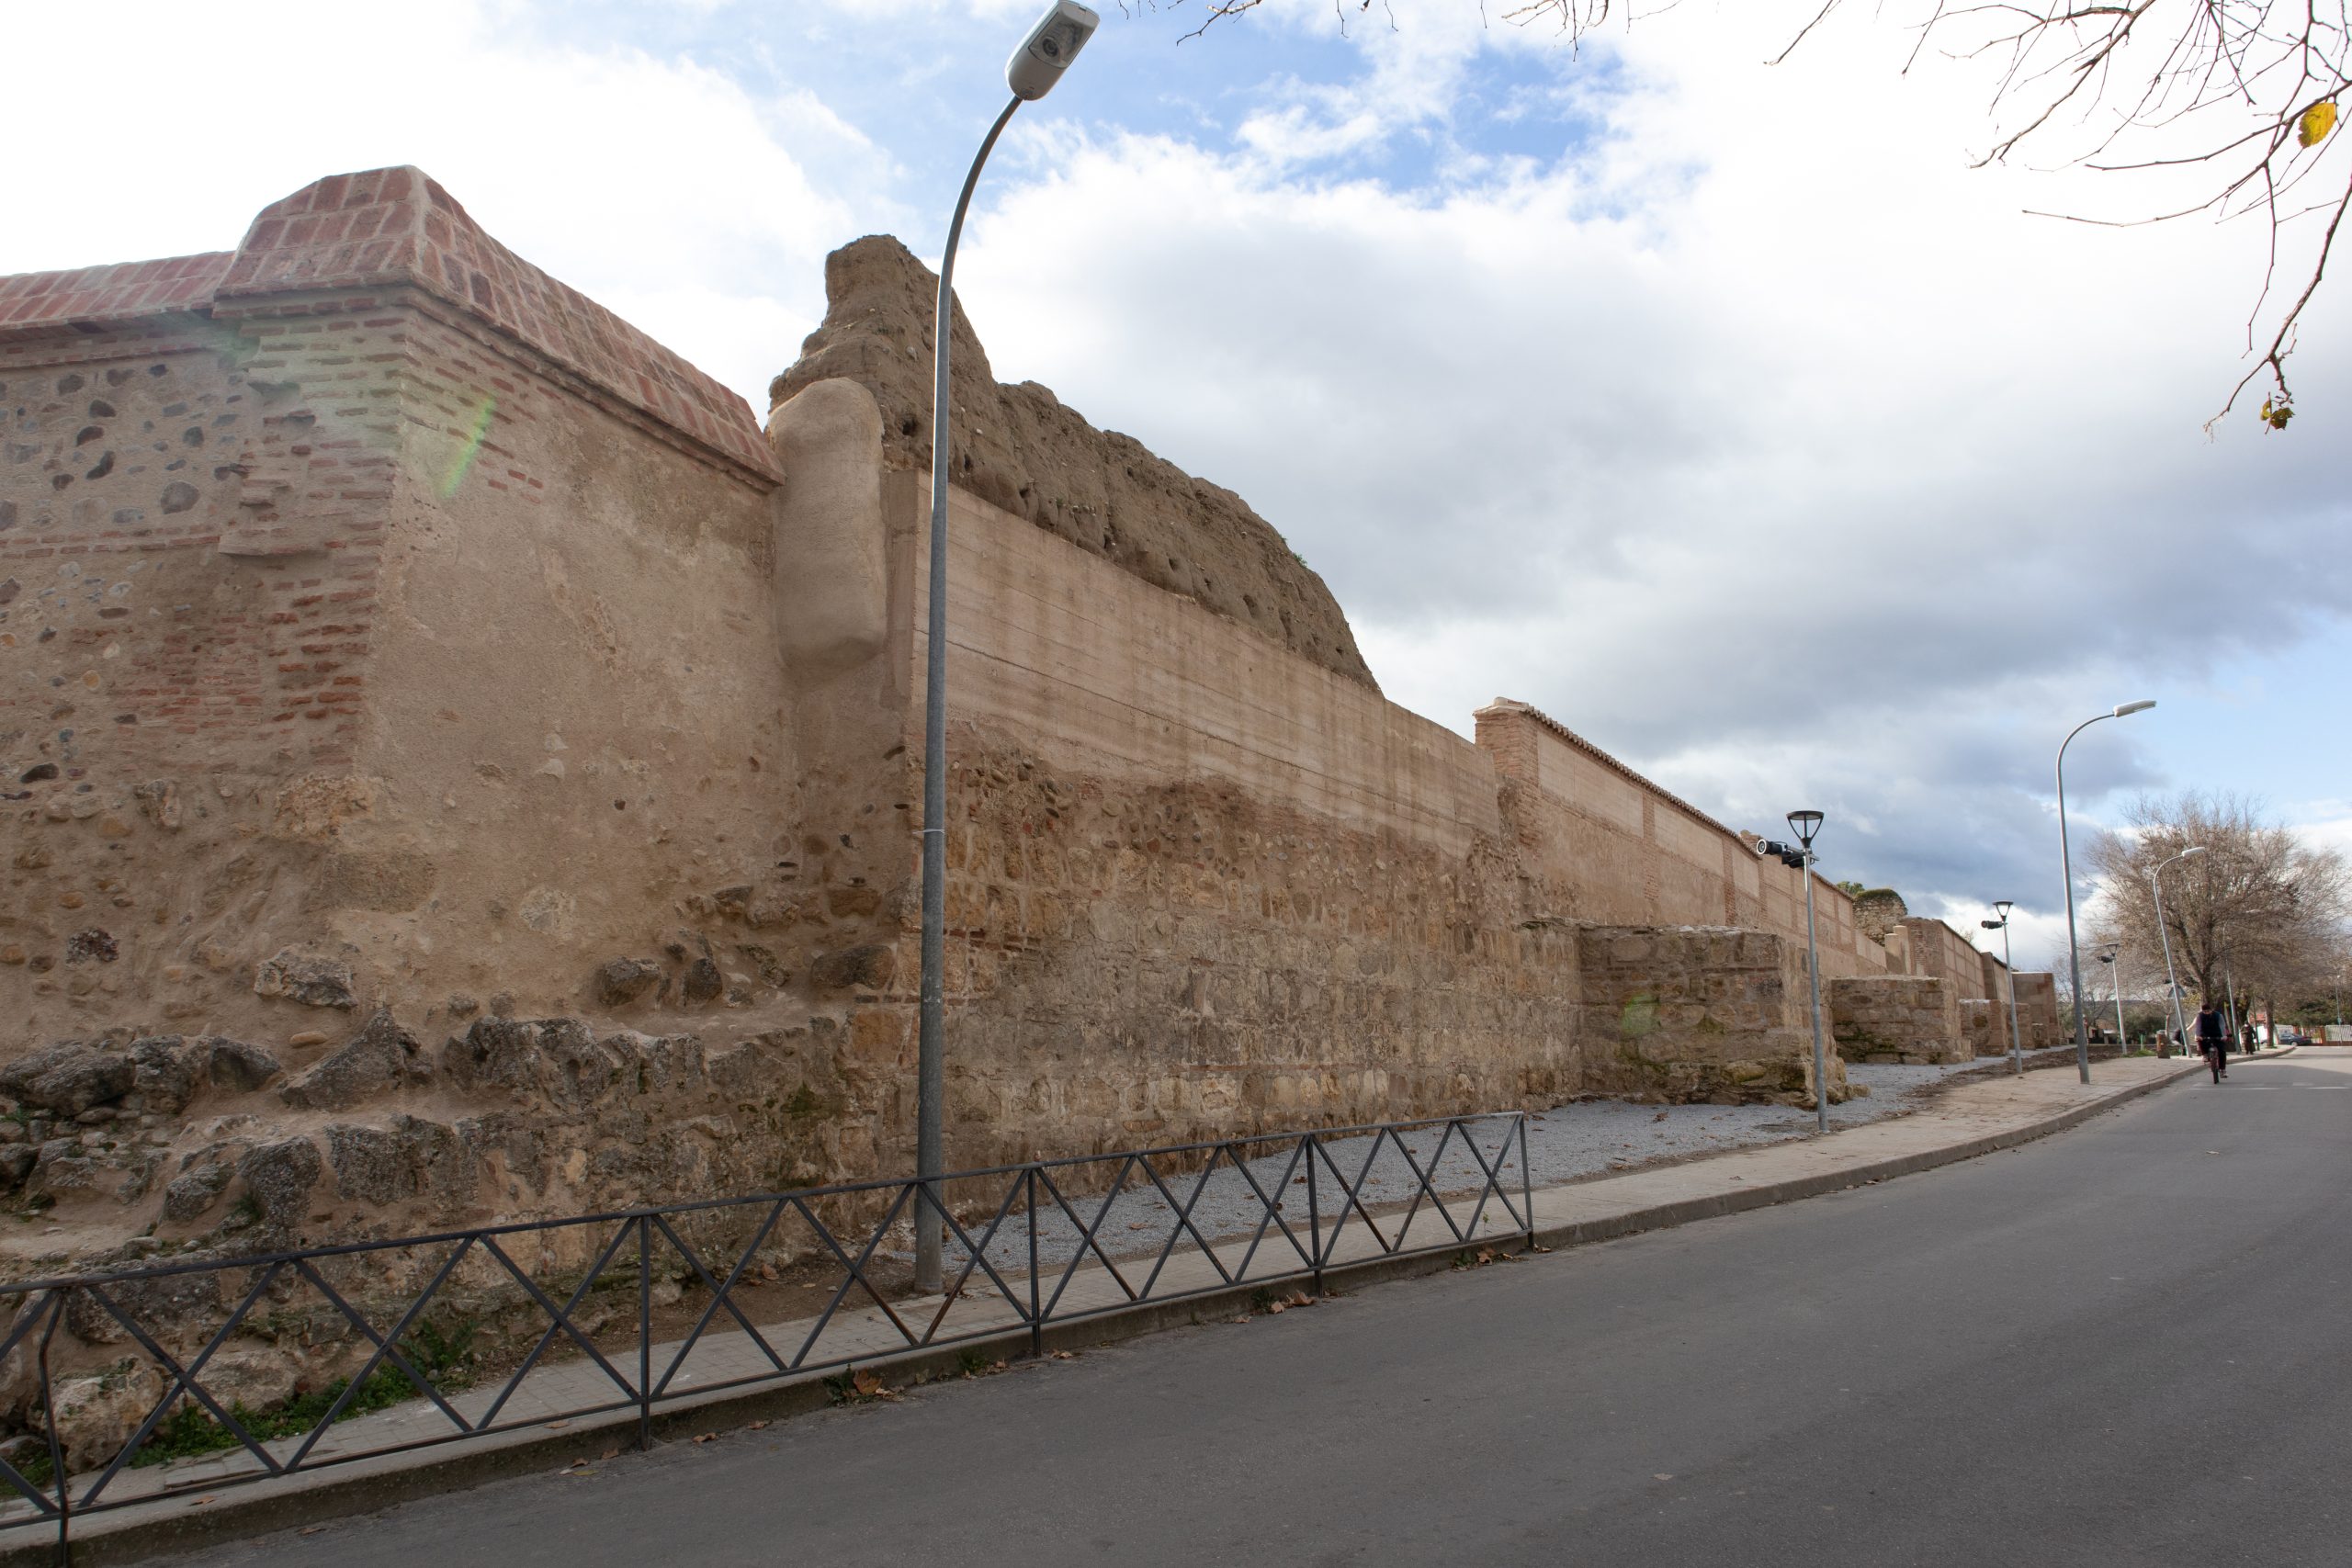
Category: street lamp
[2172,983]
[2016,1047]
[1805,825]
[2115,976]
[2066,870]
[1031,71]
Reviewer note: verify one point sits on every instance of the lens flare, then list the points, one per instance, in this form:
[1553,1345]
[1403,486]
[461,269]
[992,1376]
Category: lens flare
[463,463]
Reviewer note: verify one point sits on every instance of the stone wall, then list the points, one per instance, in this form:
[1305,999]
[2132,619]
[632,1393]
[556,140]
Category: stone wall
[1697,1013]
[1913,1019]
[2038,1023]
[455,765]
[1609,846]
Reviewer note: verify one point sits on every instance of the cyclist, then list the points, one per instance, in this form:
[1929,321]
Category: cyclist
[2212,1040]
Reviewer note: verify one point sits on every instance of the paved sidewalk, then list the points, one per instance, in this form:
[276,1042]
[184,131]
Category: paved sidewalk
[1966,1120]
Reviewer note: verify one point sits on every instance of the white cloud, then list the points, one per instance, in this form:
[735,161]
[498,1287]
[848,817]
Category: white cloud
[1762,439]
[660,187]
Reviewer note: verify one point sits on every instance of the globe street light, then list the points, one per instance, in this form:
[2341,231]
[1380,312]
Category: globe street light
[2172,983]
[1805,825]
[2066,870]
[2009,975]
[1031,71]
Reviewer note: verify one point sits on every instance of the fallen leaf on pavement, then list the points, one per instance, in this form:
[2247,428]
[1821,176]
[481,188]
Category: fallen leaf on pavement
[707,1437]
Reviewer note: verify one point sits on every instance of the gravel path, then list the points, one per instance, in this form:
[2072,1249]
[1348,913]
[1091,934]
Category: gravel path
[1564,1144]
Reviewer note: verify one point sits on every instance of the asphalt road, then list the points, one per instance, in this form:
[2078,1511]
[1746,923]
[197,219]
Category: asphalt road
[2124,1345]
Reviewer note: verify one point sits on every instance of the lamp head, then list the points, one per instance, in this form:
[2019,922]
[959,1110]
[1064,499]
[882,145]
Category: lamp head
[1051,45]
[2193,849]
[1805,825]
[2122,709]
[2002,907]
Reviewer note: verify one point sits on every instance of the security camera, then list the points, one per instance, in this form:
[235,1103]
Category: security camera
[1769,848]
[1991,925]
[1047,53]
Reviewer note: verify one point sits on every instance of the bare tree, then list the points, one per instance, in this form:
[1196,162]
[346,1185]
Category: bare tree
[2237,95]
[2258,908]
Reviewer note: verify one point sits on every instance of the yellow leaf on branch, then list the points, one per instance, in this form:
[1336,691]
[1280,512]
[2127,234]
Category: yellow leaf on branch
[2315,123]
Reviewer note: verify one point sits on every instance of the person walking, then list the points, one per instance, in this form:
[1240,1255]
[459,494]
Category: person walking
[2210,1040]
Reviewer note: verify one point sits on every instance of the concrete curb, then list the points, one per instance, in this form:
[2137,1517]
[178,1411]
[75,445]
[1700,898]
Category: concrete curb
[149,1531]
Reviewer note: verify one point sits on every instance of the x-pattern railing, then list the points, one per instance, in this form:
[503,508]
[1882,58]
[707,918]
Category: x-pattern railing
[1350,1174]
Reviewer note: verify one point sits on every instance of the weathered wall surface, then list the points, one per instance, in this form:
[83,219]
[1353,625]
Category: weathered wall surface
[1914,1019]
[1611,847]
[1018,448]
[1697,1013]
[2038,1024]
[1197,881]
[272,519]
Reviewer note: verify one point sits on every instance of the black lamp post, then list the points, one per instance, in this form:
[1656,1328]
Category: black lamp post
[2115,978]
[2009,980]
[1805,825]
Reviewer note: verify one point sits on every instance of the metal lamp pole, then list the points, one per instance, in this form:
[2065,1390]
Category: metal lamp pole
[1805,824]
[1033,69]
[2010,979]
[2066,870]
[2172,981]
[2115,975]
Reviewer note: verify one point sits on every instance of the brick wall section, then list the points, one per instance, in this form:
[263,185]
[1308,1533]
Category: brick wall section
[202,460]
[390,227]
[62,303]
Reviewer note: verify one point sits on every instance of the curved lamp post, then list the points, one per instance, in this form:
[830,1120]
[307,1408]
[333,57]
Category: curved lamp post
[2010,979]
[2172,985]
[1031,71]
[2066,869]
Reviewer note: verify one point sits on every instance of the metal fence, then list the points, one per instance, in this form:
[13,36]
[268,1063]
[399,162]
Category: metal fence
[418,1341]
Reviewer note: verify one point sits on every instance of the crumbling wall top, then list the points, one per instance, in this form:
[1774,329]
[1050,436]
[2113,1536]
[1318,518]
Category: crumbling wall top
[1018,448]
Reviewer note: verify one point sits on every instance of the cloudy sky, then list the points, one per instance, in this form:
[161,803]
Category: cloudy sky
[1722,411]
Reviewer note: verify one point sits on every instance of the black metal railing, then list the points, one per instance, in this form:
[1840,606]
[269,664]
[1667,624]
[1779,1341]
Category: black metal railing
[419,1341]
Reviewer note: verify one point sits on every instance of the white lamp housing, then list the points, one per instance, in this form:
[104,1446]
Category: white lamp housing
[1047,53]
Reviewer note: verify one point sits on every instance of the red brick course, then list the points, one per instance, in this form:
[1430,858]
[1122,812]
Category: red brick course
[386,230]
